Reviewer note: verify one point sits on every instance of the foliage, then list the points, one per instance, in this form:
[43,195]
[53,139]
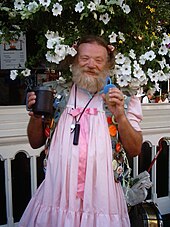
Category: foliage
[137,28]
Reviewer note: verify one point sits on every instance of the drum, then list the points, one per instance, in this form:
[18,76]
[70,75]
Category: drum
[145,214]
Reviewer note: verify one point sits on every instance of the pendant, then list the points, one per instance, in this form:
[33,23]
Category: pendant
[72,127]
[76,134]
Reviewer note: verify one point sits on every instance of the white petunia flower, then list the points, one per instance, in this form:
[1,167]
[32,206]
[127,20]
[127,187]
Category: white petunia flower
[117,70]
[142,59]
[162,76]
[149,71]
[168,75]
[51,35]
[49,56]
[162,63]
[142,78]
[79,7]
[138,73]
[153,76]
[71,51]
[32,6]
[121,36]
[150,55]
[166,39]
[132,54]
[127,61]
[128,77]
[163,50]
[55,58]
[13,74]
[136,65]
[105,18]
[156,87]
[52,42]
[91,6]
[26,72]
[113,37]
[57,9]
[19,4]
[126,9]
[144,82]
[45,3]
[122,81]
[60,50]
[126,69]
[120,58]
[135,83]
[60,57]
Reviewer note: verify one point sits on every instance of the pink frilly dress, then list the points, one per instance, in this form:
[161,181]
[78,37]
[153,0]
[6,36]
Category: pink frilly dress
[79,188]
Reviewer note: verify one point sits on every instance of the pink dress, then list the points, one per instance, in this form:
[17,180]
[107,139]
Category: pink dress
[68,197]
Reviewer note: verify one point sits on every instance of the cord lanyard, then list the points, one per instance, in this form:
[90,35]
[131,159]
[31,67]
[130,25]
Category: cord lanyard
[77,122]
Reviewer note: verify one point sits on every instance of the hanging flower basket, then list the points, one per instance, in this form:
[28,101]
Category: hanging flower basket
[137,29]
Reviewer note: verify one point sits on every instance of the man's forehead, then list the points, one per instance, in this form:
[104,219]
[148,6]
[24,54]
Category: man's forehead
[88,48]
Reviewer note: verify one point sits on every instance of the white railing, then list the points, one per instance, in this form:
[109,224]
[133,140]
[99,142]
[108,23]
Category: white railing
[13,140]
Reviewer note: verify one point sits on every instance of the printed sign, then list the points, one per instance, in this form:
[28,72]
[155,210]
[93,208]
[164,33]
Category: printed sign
[13,54]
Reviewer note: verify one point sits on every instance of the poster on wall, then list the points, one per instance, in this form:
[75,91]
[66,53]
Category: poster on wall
[13,54]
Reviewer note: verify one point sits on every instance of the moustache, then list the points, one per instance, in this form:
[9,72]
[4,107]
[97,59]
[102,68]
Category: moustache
[90,71]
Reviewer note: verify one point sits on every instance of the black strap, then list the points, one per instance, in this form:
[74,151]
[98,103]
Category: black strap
[85,105]
[77,125]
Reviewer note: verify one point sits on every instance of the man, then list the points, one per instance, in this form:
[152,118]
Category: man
[79,187]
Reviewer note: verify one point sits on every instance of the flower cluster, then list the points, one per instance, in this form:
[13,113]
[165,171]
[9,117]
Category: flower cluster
[57,51]
[137,70]
[140,37]
[23,73]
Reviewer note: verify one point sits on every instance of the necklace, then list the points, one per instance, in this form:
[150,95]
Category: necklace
[76,128]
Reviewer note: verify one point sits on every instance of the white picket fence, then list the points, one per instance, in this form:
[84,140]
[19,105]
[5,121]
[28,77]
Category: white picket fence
[13,140]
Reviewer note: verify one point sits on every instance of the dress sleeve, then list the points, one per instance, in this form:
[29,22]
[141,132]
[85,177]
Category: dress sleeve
[134,113]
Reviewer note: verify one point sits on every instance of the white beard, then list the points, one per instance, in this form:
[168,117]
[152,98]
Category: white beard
[90,83]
